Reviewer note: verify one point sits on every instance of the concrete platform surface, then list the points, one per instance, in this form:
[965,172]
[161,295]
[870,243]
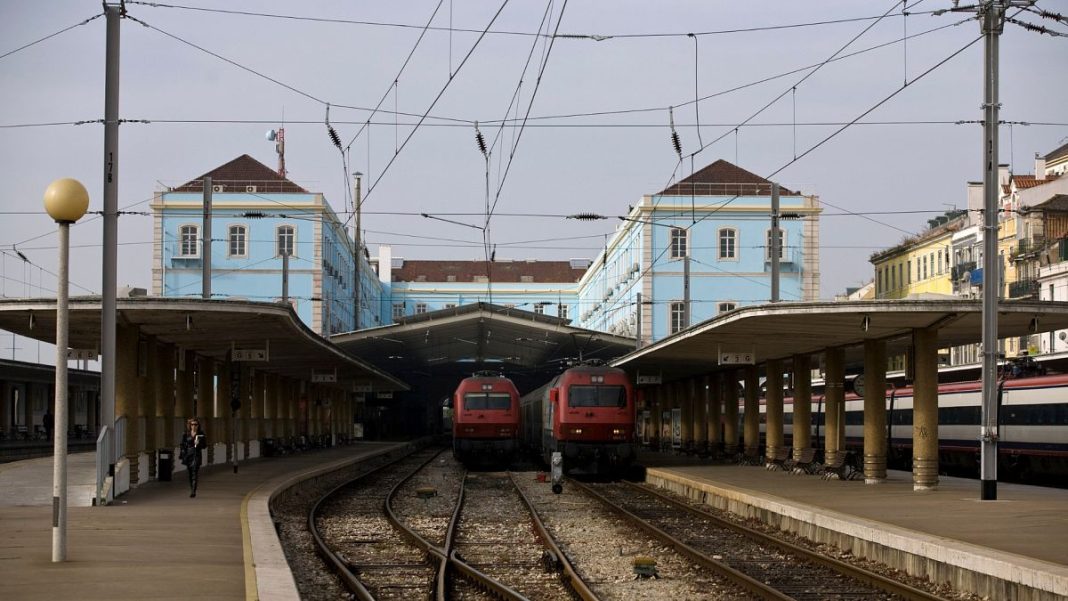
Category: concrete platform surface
[155,542]
[947,534]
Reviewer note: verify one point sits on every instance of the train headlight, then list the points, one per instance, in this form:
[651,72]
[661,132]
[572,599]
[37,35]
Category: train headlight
[469,430]
[505,431]
[618,431]
[576,430]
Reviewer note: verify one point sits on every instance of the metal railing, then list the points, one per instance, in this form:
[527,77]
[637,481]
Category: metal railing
[104,454]
[1023,288]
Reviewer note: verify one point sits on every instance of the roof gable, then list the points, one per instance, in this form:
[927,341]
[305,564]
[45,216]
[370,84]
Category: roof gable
[723,178]
[241,173]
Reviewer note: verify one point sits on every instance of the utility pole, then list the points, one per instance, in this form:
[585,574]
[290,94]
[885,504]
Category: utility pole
[992,15]
[285,276]
[775,244]
[109,279]
[205,244]
[686,289]
[358,240]
[991,22]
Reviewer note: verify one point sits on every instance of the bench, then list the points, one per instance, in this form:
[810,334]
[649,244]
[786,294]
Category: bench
[840,469]
[777,462]
[803,464]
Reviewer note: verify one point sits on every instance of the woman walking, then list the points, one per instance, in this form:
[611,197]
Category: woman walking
[193,440]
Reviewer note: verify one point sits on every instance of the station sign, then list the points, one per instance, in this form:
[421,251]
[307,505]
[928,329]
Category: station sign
[737,357]
[324,377]
[362,387]
[385,394]
[657,379]
[82,354]
[250,354]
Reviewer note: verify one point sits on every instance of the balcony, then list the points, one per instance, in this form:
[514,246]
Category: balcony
[960,269]
[1022,289]
[1028,249]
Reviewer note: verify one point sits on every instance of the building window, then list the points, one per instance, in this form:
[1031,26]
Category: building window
[678,243]
[728,239]
[893,278]
[724,307]
[923,262]
[287,236]
[782,244]
[539,309]
[562,311]
[450,305]
[189,236]
[420,308]
[238,241]
[678,316]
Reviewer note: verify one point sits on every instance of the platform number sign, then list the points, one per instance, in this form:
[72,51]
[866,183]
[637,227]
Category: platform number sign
[737,358]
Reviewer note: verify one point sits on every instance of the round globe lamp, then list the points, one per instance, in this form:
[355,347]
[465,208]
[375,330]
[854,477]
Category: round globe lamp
[65,200]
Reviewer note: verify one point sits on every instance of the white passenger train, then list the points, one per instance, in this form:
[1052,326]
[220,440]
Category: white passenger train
[1033,426]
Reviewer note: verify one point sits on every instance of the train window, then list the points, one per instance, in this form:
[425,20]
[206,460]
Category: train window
[597,396]
[481,401]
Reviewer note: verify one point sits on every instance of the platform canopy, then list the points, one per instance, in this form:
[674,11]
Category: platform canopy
[452,343]
[782,330]
[208,327]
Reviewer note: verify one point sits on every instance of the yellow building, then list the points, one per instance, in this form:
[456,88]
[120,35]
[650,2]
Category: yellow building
[919,264]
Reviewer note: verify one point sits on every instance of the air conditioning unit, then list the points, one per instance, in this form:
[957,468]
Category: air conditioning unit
[250,188]
[218,188]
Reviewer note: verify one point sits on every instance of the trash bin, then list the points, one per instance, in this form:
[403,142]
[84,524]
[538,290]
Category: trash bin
[166,465]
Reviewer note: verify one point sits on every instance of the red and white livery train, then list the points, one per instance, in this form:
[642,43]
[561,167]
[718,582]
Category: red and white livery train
[485,418]
[587,413]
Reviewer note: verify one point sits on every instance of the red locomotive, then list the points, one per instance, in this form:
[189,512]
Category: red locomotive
[587,414]
[485,422]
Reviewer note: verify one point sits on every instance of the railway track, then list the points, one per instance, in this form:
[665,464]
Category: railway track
[383,545]
[768,567]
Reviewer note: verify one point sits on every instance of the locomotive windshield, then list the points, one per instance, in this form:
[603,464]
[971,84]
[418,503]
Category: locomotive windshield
[481,401]
[597,396]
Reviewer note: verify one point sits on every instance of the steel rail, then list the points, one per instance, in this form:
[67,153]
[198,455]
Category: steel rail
[849,570]
[570,576]
[333,561]
[732,575]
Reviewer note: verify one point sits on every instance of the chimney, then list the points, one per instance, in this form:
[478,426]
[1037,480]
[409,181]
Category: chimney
[385,263]
[1040,167]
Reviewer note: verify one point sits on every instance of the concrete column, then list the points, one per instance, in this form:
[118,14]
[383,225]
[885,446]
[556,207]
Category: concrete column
[730,413]
[802,425]
[715,402]
[147,390]
[127,394]
[687,402]
[258,404]
[183,388]
[222,395]
[205,405]
[700,414]
[834,404]
[751,428]
[874,411]
[773,409]
[925,410]
[244,433]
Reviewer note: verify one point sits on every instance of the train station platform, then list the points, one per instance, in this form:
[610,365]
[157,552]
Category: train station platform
[154,542]
[1011,548]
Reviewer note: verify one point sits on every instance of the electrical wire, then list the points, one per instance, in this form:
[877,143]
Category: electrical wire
[50,36]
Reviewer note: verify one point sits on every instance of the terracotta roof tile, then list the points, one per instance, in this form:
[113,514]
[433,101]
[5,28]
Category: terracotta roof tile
[723,178]
[502,271]
[240,173]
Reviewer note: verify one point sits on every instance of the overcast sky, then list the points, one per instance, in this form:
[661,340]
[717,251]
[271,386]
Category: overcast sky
[590,163]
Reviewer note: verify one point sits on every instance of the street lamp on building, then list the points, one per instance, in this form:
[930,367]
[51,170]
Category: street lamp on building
[65,200]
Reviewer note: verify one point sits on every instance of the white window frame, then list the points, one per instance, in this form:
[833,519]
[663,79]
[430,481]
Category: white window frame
[230,240]
[278,239]
[676,316]
[782,245]
[720,306]
[561,311]
[733,256]
[539,309]
[398,311]
[182,244]
[685,238]
[421,308]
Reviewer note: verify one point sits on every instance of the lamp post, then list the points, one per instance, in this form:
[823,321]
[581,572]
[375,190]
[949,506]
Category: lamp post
[65,200]
[356,239]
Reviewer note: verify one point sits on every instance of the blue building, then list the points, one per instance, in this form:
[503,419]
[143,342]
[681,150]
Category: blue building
[718,220]
[714,226]
[257,216]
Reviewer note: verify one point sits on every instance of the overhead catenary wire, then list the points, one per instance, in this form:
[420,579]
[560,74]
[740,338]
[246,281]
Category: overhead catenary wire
[50,36]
